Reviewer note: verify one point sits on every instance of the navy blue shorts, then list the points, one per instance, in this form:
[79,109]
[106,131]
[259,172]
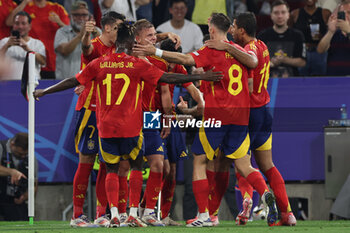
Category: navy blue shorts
[112,150]
[153,142]
[86,133]
[260,127]
[233,140]
[175,146]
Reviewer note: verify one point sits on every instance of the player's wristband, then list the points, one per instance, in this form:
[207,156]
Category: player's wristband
[159,53]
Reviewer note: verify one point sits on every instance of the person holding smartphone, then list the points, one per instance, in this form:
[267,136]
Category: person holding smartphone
[337,41]
[18,44]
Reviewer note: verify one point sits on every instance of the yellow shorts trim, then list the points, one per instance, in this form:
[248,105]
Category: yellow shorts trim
[209,151]
[242,150]
[135,152]
[107,157]
[267,145]
[82,126]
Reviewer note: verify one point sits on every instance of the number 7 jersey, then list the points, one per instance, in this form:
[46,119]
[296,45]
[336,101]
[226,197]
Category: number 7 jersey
[118,79]
[228,99]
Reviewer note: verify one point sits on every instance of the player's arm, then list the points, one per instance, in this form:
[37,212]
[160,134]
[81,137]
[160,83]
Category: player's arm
[61,86]
[198,97]
[247,59]
[86,45]
[167,108]
[172,36]
[174,57]
[181,78]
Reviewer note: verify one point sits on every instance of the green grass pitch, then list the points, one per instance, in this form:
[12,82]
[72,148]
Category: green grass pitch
[224,227]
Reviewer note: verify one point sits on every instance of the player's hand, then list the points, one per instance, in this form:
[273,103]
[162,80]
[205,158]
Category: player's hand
[89,26]
[164,133]
[216,44]
[182,104]
[16,176]
[144,50]
[79,89]
[38,93]
[175,39]
[210,75]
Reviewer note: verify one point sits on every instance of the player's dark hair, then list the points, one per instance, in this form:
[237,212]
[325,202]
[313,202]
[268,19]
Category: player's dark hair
[110,17]
[21,140]
[23,13]
[278,3]
[247,21]
[206,37]
[172,2]
[126,36]
[169,45]
[142,24]
[220,21]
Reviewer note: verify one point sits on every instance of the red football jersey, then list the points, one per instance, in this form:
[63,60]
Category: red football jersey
[6,6]
[118,78]
[45,30]
[228,99]
[260,74]
[151,100]
[87,98]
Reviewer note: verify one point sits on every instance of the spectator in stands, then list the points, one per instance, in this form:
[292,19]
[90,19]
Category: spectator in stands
[286,45]
[337,41]
[312,22]
[190,33]
[13,197]
[6,6]
[47,18]
[125,7]
[19,43]
[68,41]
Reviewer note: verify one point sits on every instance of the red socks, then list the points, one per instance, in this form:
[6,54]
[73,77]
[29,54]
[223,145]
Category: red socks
[153,187]
[201,193]
[277,185]
[123,193]
[221,183]
[135,187]
[112,189]
[80,184]
[258,182]
[167,196]
[101,197]
[244,186]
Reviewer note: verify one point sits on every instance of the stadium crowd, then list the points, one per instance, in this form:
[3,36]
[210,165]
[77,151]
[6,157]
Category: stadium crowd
[101,38]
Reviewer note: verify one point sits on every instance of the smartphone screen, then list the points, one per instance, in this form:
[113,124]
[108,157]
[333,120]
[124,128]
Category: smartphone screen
[15,33]
[341,15]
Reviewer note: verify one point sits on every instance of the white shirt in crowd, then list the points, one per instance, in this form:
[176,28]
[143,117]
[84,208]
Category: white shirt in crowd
[122,7]
[190,34]
[17,56]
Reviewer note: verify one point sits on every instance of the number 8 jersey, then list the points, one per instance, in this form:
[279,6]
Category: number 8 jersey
[228,99]
[118,99]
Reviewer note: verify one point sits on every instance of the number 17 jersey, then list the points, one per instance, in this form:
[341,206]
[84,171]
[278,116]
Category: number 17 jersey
[118,79]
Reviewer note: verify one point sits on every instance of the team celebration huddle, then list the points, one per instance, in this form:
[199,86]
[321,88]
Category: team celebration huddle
[129,70]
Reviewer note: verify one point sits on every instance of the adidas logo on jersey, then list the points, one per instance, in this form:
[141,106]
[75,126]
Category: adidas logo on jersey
[160,149]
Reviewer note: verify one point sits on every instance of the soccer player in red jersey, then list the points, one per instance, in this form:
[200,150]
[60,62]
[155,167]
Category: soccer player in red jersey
[260,121]
[174,144]
[227,101]
[119,112]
